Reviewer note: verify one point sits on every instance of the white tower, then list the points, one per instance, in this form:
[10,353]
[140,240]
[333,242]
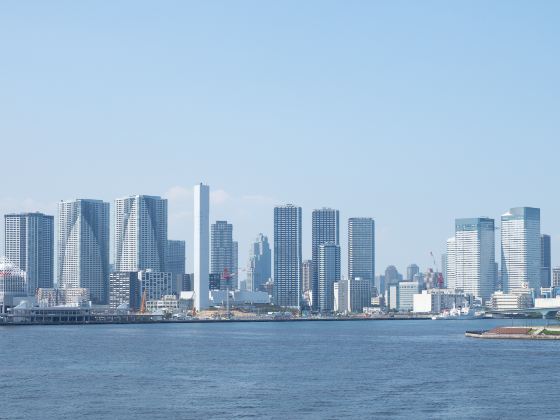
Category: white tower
[201,245]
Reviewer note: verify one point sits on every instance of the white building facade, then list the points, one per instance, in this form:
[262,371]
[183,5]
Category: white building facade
[201,245]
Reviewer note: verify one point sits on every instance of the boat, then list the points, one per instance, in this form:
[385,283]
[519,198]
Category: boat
[458,314]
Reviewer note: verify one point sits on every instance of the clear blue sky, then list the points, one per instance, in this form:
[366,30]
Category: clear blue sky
[411,112]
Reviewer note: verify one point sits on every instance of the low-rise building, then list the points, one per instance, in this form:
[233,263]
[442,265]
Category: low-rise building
[407,290]
[124,290]
[509,301]
[438,300]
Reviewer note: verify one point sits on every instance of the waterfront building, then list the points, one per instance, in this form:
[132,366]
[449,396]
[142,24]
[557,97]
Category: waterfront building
[325,229]
[140,233]
[546,263]
[124,289]
[48,297]
[411,271]
[13,283]
[392,298]
[352,295]
[29,245]
[501,301]
[307,281]
[406,292]
[329,273]
[556,277]
[521,249]
[438,300]
[155,284]
[201,245]
[361,249]
[287,256]
[259,269]
[83,247]
[474,272]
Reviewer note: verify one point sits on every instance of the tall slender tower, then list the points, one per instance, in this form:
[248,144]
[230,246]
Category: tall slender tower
[287,255]
[546,268]
[521,249]
[83,247]
[361,249]
[329,273]
[201,245]
[140,233]
[29,244]
[325,229]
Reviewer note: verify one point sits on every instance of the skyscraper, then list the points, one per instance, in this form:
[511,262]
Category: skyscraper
[176,257]
[475,257]
[521,249]
[287,255]
[29,245]
[546,268]
[325,229]
[235,265]
[329,273]
[221,241]
[450,270]
[83,247]
[411,271]
[140,233]
[201,245]
[259,269]
[175,263]
[361,249]
[307,276]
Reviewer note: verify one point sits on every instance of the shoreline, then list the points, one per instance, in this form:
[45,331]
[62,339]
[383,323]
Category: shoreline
[211,321]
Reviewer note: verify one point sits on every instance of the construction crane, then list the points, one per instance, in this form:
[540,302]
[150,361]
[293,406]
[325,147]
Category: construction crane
[143,302]
[439,280]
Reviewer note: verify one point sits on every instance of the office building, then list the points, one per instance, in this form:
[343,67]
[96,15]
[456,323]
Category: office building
[140,233]
[555,277]
[546,261]
[325,229]
[521,249]
[287,256]
[175,263]
[406,292]
[475,257]
[235,266]
[329,273]
[392,276]
[411,271]
[221,248]
[49,297]
[450,270]
[361,248]
[29,244]
[155,284]
[352,295]
[83,247]
[124,290]
[201,245]
[501,301]
[259,269]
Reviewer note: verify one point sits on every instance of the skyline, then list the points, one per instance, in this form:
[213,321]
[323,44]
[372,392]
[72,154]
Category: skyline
[413,116]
